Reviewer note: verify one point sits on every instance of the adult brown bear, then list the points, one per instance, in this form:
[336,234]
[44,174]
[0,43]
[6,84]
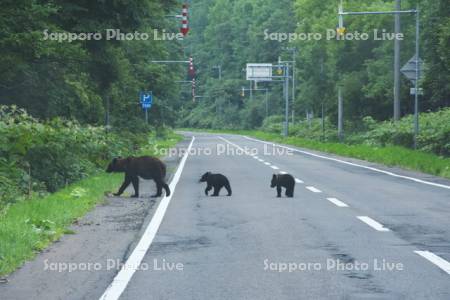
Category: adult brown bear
[146,167]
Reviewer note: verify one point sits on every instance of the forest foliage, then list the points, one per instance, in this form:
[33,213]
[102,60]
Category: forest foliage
[233,33]
[79,80]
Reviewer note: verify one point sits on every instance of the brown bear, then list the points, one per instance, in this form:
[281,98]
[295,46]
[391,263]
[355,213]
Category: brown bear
[146,167]
[283,180]
[216,181]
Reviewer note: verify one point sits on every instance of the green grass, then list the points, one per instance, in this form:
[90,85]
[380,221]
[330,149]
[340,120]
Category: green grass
[389,155]
[30,226]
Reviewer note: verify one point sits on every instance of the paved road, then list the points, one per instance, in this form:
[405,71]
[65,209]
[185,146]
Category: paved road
[359,244]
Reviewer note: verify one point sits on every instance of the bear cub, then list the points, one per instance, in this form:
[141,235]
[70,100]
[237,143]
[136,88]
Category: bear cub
[146,167]
[283,180]
[216,181]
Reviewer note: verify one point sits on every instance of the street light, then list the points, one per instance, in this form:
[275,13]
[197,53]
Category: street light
[416,11]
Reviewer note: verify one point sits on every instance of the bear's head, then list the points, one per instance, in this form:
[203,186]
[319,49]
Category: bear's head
[204,177]
[117,165]
[274,181]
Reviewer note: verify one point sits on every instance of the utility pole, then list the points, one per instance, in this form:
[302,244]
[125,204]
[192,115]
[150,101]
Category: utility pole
[293,82]
[286,95]
[323,104]
[340,114]
[294,51]
[107,114]
[416,82]
[397,64]
[416,12]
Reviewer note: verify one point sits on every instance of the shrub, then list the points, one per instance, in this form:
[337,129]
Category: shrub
[45,156]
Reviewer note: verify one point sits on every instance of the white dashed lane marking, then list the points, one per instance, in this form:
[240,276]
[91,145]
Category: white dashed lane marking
[298,180]
[337,202]
[313,189]
[275,167]
[437,260]
[372,223]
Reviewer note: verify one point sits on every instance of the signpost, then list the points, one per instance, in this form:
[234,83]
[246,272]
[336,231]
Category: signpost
[409,69]
[413,71]
[263,72]
[259,72]
[415,61]
[146,100]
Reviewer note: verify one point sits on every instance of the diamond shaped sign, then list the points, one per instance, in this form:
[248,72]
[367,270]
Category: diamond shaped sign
[409,69]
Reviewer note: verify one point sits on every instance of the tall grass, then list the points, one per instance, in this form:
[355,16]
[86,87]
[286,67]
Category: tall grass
[29,226]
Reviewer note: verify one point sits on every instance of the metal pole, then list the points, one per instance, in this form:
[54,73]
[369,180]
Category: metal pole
[267,103]
[107,114]
[293,83]
[323,105]
[340,114]
[323,122]
[146,116]
[416,84]
[397,64]
[251,90]
[286,95]
[220,72]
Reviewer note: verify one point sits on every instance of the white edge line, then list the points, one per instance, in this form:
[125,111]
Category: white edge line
[267,164]
[337,202]
[120,281]
[435,259]
[355,165]
[372,223]
[313,189]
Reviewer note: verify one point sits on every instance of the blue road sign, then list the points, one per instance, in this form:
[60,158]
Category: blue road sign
[146,99]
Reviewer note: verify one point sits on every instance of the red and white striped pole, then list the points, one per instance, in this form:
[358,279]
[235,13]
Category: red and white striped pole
[184,20]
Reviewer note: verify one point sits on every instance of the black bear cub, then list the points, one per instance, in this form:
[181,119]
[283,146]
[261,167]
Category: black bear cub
[146,167]
[216,181]
[283,180]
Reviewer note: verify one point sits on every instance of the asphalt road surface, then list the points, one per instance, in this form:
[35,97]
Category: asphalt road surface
[353,230]
[348,233]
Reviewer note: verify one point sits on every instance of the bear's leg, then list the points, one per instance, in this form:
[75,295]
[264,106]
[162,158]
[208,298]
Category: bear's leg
[278,191]
[159,186]
[125,184]
[166,187]
[208,188]
[228,188]
[135,182]
[290,191]
[217,189]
